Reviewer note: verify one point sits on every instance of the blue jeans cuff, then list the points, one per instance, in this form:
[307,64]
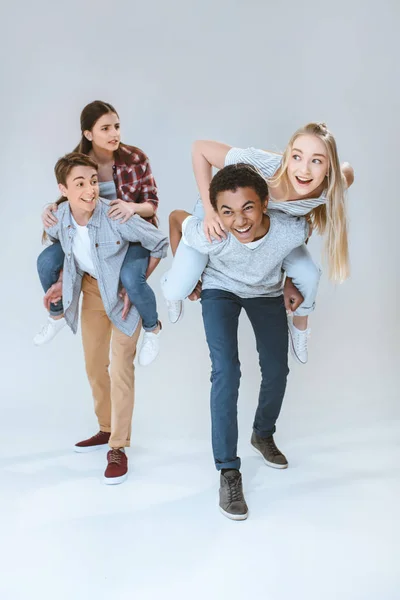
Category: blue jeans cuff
[264,433]
[233,464]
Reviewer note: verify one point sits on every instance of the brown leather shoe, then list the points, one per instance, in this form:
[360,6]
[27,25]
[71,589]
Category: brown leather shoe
[117,468]
[96,442]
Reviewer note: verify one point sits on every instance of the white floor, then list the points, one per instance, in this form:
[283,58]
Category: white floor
[327,528]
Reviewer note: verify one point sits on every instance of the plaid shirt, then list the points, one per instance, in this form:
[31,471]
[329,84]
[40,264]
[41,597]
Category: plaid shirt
[109,242]
[133,177]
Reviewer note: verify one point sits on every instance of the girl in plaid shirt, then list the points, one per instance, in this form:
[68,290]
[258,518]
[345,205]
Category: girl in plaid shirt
[125,177]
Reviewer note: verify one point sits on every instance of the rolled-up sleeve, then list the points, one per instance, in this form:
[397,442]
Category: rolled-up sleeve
[53,232]
[193,235]
[265,162]
[137,229]
[148,187]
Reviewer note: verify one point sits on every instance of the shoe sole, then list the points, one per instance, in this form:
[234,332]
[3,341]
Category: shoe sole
[234,517]
[267,462]
[115,480]
[44,342]
[293,351]
[85,449]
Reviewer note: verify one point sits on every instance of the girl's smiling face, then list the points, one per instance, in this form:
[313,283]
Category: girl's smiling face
[308,164]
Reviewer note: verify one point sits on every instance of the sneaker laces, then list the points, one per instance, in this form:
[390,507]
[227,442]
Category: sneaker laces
[173,303]
[301,340]
[174,306]
[115,456]
[235,492]
[149,340]
[44,330]
[272,446]
[50,323]
[98,435]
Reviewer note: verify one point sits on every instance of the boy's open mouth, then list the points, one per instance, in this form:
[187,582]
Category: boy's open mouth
[243,231]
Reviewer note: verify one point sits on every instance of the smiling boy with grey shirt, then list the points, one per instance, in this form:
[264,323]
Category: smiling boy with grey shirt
[244,270]
[249,270]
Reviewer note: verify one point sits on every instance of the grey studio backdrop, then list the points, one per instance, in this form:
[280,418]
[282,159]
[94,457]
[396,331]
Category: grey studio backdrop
[245,73]
[248,73]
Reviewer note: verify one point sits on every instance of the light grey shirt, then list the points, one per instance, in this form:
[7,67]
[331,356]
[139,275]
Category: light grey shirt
[109,242]
[247,270]
[108,190]
[268,163]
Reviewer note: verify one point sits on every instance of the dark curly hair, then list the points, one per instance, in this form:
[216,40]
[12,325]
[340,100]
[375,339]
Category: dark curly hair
[237,176]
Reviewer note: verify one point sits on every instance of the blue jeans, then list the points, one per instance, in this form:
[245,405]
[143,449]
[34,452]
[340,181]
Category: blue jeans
[221,312]
[49,264]
[133,278]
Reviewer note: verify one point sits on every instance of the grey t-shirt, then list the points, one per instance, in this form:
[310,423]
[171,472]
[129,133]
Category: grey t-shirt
[268,163]
[108,190]
[247,270]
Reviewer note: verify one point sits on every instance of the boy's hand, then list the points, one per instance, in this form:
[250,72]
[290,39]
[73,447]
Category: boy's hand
[48,219]
[121,210]
[292,296]
[53,295]
[213,227]
[195,295]
[127,303]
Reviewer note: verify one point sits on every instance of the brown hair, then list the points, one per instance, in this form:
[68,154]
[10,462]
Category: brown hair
[89,117]
[65,164]
[63,168]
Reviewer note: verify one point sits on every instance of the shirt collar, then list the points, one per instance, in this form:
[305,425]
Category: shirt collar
[94,221]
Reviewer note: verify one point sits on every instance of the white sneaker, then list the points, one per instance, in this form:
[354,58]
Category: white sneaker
[175,311]
[299,343]
[150,348]
[49,331]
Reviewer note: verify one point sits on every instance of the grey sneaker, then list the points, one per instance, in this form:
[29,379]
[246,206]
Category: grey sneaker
[231,500]
[266,447]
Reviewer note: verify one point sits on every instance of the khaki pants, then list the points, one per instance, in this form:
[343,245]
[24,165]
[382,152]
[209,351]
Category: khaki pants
[113,392]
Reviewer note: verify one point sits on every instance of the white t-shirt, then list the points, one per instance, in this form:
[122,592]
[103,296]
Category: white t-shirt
[82,250]
[253,245]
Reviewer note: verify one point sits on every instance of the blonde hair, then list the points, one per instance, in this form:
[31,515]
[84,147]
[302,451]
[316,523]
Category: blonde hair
[329,218]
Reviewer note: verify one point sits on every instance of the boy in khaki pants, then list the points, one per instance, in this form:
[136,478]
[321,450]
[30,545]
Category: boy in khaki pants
[95,247]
